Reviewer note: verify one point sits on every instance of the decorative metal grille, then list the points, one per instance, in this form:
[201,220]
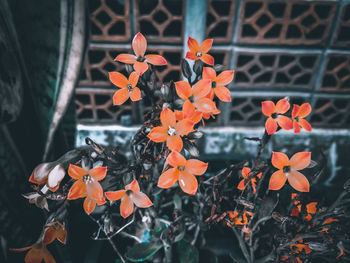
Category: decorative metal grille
[342,38]
[286,22]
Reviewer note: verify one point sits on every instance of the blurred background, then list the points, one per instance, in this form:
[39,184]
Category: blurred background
[55,57]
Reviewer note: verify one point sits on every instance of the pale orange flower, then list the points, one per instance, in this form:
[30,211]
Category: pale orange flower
[128,87]
[50,174]
[218,83]
[298,115]
[171,130]
[195,97]
[130,196]
[87,185]
[182,171]
[246,174]
[200,51]
[274,112]
[139,45]
[289,169]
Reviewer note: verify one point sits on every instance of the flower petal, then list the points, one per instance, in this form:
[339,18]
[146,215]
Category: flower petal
[241,185]
[89,205]
[120,96]
[158,134]
[140,199]
[298,181]
[40,173]
[78,190]
[94,190]
[140,67]
[167,118]
[139,45]
[168,178]
[209,73]
[201,88]
[134,78]
[179,115]
[118,79]
[135,95]
[191,56]
[156,60]
[207,59]
[271,126]
[174,143]
[205,105]
[295,110]
[206,45]
[268,108]
[49,235]
[48,258]
[311,208]
[279,160]
[193,45]
[176,159]
[134,186]
[55,177]
[245,172]
[277,180]
[282,106]
[300,160]
[126,58]
[98,173]
[304,110]
[188,109]
[183,89]
[115,195]
[223,93]
[225,77]
[305,124]
[188,182]
[126,207]
[284,122]
[184,127]
[196,167]
[34,256]
[296,127]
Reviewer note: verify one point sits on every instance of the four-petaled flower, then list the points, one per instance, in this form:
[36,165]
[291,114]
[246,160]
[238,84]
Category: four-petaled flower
[55,230]
[289,169]
[50,174]
[195,97]
[130,196]
[87,185]
[298,115]
[200,51]
[183,171]
[171,130]
[139,45]
[128,87]
[274,112]
[218,83]
[246,178]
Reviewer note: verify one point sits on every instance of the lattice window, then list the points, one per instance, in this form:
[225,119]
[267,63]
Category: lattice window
[160,20]
[110,20]
[342,38]
[247,110]
[331,112]
[220,19]
[337,73]
[269,69]
[286,22]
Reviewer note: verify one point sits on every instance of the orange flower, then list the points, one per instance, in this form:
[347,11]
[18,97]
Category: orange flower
[195,97]
[243,220]
[128,87]
[200,51]
[218,83]
[289,169]
[54,230]
[50,174]
[246,176]
[298,115]
[274,112]
[36,254]
[297,248]
[87,185]
[183,171]
[311,208]
[139,45]
[130,196]
[171,130]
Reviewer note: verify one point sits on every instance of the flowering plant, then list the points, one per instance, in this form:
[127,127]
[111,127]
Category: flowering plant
[168,198]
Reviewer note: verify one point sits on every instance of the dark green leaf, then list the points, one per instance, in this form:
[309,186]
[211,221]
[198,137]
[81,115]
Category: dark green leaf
[177,202]
[143,251]
[186,69]
[198,67]
[187,253]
